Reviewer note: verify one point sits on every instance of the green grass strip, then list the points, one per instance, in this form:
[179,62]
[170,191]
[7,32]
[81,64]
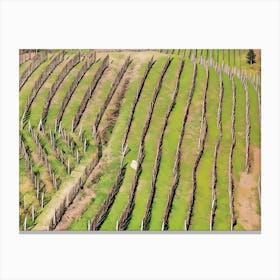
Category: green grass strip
[94,104]
[165,176]
[222,218]
[239,153]
[151,140]
[255,135]
[39,101]
[202,205]
[59,95]
[28,86]
[77,97]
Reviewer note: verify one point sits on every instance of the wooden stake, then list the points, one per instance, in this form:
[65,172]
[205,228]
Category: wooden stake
[22,119]
[94,132]
[24,223]
[55,183]
[37,190]
[32,213]
[80,132]
[29,126]
[40,124]
[54,219]
[72,126]
[55,125]
[51,137]
[68,166]
[42,200]
[59,129]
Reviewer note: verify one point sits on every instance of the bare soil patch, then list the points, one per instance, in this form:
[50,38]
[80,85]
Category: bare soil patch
[75,209]
[247,194]
[82,199]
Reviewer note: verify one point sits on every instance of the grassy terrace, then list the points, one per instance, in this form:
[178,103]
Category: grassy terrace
[39,101]
[23,66]
[27,191]
[100,95]
[170,140]
[112,158]
[132,68]
[202,205]
[255,136]
[77,97]
[240,127]
[181,199]
[133,143]
[39,166]
[56,165]
[27,187]
[217,56]
[165,176]
[59,95]
[151,141]
[222,218]
[27,88]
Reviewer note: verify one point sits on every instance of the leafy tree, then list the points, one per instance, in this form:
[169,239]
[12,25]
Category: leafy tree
[251,57]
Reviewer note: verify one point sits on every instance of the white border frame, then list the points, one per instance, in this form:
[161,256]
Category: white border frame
[156,24]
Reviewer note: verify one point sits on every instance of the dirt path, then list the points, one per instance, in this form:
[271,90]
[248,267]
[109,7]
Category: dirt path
[44,221]
[247,194]
[76,208]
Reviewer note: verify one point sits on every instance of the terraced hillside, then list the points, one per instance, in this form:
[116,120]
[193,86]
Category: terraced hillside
[139,140]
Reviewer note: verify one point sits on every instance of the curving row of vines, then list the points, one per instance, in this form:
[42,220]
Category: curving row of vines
[90,91]
[111,92]
[216,151]
[230,165]
[87,64]
[62,75]
[202,140]
[37,60]
[135,102]
[39,82]
[147,217]
[126,214]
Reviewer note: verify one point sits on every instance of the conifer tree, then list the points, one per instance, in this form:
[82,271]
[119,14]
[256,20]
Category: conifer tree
[251,57]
